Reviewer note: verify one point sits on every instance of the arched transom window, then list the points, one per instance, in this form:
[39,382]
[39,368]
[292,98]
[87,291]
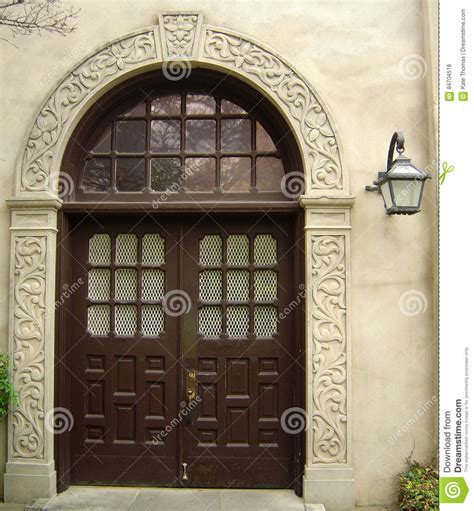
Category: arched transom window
[187,144]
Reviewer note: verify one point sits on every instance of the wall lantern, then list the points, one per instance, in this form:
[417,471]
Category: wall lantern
[402,183]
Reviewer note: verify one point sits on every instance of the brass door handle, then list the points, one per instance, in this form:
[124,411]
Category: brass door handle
[190,394]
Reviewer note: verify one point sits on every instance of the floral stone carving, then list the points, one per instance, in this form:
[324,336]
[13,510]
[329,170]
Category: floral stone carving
[328,311]
[179,33]
[69,95]
[294,94]
[28,346]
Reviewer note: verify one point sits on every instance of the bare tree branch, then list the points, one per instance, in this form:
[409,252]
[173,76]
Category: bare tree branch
[13,2]
[27,17]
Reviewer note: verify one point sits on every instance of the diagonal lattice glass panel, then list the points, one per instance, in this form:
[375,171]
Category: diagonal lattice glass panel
[238,285]
[265,285]
[265,320]
[99,284]
[153,284]
[210,321]
[210,285]
[238,250]
[125,284]
[153,249]
[125,319]
[100,246]
[210,250]
[265,249]
[237,320]
[98,319]
[126,246]
[153,320]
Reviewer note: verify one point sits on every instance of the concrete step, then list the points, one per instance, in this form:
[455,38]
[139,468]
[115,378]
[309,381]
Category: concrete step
[85,498]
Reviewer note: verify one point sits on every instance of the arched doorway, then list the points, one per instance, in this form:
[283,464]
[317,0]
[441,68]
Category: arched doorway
[34,339]
[183,225]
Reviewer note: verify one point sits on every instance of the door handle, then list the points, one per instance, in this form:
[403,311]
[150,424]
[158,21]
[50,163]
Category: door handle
[190,393]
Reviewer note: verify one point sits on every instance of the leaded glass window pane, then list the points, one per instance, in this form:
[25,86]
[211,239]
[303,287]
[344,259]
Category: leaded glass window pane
[165,136]
[235,135]
[100,246]
[265,320]
[210,285]
[265,285]
[130,136]
[169,104]
[236,174]
[98,319]
[130,174]
[96,176]
[200,174]
[103,143]
[264,141]
[270,173]
[125,319]
[126,247]
[210,321]
[187,147]
[153,249]
[238,250]
[99,284]
[265,249]
[125,284]
[153,320]
[237,320]
[200,136]
[227,107]
[200,104]
[238,285]
[153,284]
[166,174]
[210,250]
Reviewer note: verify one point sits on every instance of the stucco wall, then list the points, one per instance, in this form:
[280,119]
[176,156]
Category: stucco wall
[357,54]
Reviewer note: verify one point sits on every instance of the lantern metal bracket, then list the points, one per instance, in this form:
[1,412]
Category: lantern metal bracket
[398,142]
[375,188]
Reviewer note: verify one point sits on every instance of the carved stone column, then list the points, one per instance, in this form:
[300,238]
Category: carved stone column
[328,476]
[30,469]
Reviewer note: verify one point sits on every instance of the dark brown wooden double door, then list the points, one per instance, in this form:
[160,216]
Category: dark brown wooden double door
[181,359]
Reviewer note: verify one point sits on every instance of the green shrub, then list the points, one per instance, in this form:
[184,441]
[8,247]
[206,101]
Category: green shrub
[419,488]
[8,396]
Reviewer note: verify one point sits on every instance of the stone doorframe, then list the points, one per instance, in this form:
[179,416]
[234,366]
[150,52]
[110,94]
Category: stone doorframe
[178,43]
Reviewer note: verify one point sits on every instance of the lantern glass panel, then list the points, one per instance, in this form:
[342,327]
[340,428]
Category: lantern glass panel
[406,193]
[385,189]
[399,168]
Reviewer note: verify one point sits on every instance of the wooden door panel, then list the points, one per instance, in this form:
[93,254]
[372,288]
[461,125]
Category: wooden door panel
[244,380]
[129,362]
[124,387]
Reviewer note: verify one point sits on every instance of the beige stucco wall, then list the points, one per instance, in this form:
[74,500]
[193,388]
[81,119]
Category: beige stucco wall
[350,51]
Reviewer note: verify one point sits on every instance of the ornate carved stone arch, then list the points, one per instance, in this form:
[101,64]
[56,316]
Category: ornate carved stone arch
[180,42]
[198,46]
